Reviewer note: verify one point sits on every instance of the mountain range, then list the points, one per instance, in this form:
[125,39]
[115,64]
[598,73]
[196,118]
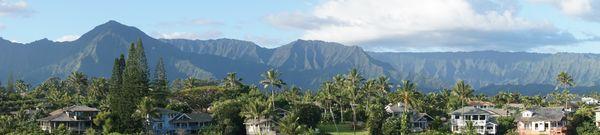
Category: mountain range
[304,63]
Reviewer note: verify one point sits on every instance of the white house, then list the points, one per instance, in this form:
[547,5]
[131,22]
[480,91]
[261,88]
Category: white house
[483,121]
[542,121]
[589,101]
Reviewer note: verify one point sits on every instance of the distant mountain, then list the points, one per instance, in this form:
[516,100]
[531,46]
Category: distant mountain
[305,63]
[493,68]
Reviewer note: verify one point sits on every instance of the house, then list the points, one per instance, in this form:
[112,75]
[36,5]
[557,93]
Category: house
[481,104]
[589,101]
[484,121]
[537,121]
[76,118]
[172,122]
[419,121]
[597,120]
[261,126]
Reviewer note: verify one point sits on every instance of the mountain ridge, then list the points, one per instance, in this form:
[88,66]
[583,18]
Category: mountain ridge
[305,63]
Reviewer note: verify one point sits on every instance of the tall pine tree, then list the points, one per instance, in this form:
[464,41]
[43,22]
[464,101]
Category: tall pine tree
[116,99]
[160,84]
[135,86]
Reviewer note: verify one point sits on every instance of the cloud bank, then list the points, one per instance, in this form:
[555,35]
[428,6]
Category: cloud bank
[14,8]
[424,25]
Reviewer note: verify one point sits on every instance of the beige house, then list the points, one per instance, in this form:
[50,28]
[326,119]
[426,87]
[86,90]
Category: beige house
[75,118]
[542,121]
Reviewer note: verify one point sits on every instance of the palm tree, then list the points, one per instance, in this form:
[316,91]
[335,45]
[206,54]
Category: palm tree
[78,81]
[231,81]
[98,89]
[257,110]
[327,98]
[145,109]
[353,81]
[271,79]
[289,124]
[190,83]
[565,81]
[463,91]
[408,95]
[340,96]
[383,85]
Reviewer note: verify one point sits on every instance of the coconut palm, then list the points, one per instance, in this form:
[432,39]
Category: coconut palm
[564,80]
[408,95]
[289,125]
[271,79]
[353,81]
[231,81]
[78,81]
[145,110]
[326,97]
[463,91]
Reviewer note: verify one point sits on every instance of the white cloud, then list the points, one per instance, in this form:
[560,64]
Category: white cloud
[14,8]
[190,35]
[585,9]
[400,25]
[67,38]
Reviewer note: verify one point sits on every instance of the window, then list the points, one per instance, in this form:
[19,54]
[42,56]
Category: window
[481,117]
[467,117]
[456,117]
[159,125]
[475,117]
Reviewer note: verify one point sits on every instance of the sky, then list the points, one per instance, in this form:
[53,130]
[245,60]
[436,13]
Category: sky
[545,26]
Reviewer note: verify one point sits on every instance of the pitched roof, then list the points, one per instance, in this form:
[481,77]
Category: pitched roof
[470,110]
[74,109]
[419,116]
[543,114]
[193,117]
[480,103]
[60,115]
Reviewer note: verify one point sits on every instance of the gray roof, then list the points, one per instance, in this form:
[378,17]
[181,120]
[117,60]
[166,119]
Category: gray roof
[193,117]
[470,110]
[60,115]
[543,114]
[74,109]
[418,116]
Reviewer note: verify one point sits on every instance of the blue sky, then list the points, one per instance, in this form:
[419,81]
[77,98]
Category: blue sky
[383,25]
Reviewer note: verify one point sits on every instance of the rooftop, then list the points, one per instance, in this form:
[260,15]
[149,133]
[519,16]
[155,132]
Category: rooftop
[543,114]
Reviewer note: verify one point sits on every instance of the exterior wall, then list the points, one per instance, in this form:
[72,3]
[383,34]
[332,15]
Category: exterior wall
[481,125]
[255,129]
[543,128]
[597,121]
[165,126]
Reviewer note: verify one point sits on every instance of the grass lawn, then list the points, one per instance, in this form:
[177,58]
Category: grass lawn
[344,129]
